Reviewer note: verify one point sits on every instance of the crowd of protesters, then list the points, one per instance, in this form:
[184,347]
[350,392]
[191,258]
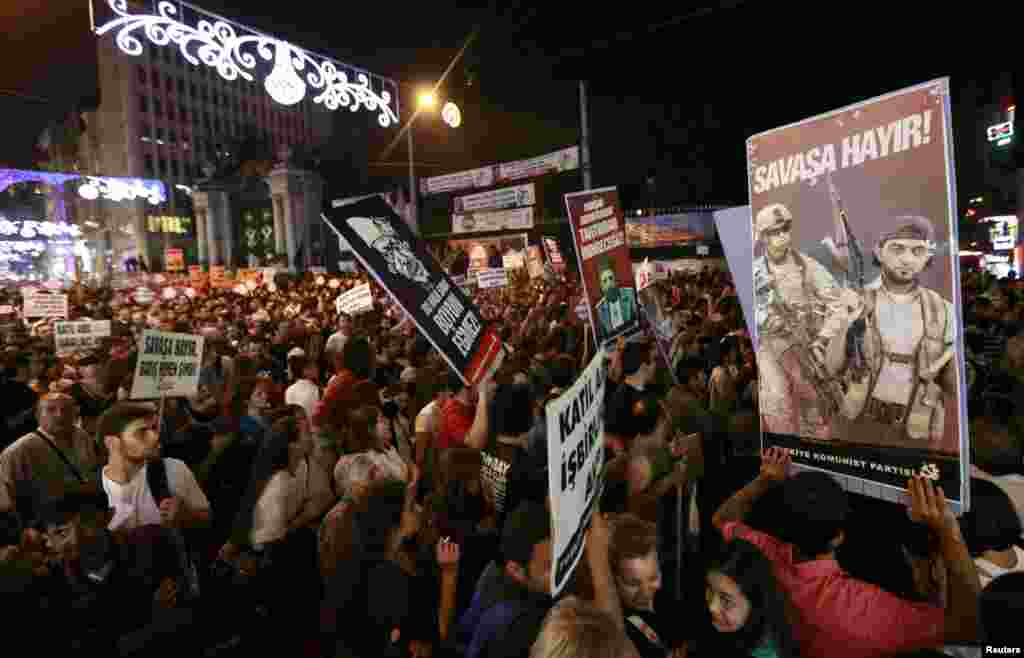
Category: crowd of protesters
[334,490]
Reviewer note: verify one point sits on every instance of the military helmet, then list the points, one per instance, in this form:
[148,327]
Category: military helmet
[770,217]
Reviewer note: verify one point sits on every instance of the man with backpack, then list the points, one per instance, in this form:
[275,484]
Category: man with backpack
[144,489]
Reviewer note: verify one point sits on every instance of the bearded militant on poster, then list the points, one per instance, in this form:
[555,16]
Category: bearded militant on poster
[856,292]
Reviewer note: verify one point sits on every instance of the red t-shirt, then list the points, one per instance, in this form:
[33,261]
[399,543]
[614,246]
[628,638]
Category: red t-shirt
[840,616]
[456,419]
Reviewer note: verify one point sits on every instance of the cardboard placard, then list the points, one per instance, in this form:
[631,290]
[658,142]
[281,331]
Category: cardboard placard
[605,268]
[862,201]
[355,301]
[494,277]
[168,365]
[576,466]
[401,264]
[79,336]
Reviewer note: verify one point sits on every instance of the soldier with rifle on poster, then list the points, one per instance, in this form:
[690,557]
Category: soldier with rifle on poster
[792,293]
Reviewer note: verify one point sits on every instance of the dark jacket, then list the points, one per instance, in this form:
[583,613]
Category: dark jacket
[504,619]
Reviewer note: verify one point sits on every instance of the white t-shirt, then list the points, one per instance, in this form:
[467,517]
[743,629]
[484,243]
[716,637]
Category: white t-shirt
[133,502]
[336,343]
[303,393]
[279,503]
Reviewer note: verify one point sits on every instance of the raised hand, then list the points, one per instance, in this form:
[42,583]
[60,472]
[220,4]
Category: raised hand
[448,554]
[775,463]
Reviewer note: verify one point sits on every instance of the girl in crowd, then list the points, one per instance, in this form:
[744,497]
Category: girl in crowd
[748,610]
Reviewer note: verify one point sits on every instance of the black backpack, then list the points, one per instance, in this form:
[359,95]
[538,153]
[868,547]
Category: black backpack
[156,478]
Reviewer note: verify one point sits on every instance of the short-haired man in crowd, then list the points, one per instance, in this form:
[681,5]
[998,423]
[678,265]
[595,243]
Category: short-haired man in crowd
[129,432]
[838,615]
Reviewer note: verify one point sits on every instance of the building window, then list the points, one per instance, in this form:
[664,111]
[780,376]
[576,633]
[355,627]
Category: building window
[143,104]
[156,79]
[172,137]
[149,164]
[192,89]
[170,111]
[158,109]
[181,86]
[182,113]
[142,74]
[170,84]
[174,168]
[144,129]
[202,94]
[159,135]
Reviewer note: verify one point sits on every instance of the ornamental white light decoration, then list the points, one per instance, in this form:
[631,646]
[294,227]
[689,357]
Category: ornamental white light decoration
[122,189]
[451,115]
[228,47]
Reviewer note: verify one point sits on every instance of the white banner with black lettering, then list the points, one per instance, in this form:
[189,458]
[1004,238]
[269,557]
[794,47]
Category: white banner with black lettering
[355,301]
[516,196]
[45,305]
[168,365]
[514,219]
[495,277]
[79,336]
[575,466]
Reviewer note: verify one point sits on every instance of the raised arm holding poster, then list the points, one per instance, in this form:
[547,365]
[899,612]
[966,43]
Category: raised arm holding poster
[400,263]
[857,296]
[168,365]
[600,238]
[576,466]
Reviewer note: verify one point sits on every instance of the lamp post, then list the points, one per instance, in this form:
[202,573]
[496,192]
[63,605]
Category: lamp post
[425,101]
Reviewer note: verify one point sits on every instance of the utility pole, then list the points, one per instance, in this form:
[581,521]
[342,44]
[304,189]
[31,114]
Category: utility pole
[414,206]
[584,138]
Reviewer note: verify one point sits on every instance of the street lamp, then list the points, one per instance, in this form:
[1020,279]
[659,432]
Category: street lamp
[426,101]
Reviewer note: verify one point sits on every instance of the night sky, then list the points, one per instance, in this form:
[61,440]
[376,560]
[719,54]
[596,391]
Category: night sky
[676,88]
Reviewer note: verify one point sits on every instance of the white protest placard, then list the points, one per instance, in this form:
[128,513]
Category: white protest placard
[355,301]
[495,277]
[168,365]
[703,250]
[75,336]
[42,305]
[576,466]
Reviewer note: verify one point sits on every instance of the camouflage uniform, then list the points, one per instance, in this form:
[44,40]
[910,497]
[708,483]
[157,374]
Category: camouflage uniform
[791,299]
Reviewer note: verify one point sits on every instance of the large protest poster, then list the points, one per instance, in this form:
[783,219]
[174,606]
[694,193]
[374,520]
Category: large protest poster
[80,336]
[400,263]
[856,291]
[599,235]
[168,365]
[576,466]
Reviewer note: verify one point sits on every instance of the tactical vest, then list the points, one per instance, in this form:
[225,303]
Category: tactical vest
[925,415]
